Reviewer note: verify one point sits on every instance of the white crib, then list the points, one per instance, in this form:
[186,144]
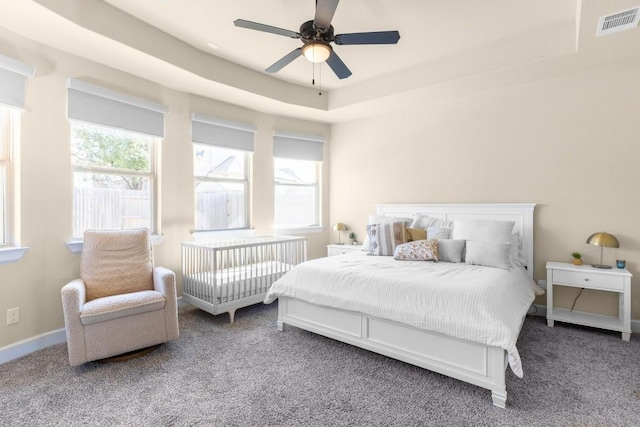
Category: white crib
[223,276]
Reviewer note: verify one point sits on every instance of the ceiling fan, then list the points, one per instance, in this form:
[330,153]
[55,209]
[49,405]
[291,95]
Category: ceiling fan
[316,36]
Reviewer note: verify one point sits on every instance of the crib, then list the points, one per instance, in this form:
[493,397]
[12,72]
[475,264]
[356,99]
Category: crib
[223,276]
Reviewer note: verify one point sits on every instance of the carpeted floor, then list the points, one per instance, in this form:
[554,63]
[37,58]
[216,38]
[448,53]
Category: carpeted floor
[248,373]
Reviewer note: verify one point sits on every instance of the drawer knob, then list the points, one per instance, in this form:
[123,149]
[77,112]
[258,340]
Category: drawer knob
[586,280]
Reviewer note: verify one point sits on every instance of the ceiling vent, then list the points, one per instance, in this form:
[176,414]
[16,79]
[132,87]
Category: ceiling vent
[620,21]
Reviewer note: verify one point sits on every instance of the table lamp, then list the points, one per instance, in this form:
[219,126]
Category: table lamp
[339,227]
[603,239]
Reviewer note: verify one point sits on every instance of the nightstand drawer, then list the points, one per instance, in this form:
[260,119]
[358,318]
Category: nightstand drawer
[589,280]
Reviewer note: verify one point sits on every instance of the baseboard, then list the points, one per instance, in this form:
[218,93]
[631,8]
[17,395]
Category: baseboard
[39,342]
[541,310]
[28,346]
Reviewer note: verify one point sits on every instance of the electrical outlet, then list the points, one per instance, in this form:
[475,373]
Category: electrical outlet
[542,284]
[13,315]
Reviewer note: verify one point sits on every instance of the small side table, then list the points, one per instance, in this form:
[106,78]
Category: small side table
[587,277]
[333,250]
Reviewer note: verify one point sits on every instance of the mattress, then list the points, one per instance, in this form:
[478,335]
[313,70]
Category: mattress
[235,283]
[474,303]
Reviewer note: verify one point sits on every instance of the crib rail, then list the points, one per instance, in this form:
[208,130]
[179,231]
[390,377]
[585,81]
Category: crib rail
[223,275]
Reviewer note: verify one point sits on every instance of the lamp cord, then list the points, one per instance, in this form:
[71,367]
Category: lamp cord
[575,300]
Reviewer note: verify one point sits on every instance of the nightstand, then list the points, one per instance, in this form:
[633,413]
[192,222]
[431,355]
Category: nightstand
[587,277]
[333,250]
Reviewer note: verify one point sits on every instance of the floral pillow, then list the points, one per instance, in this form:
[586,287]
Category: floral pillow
[420,250]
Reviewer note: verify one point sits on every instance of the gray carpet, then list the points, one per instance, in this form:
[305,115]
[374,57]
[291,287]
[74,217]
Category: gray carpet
[248,373]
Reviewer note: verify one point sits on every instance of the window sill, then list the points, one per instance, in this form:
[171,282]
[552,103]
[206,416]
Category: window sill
[12,254]
[297,230]
[209,235]
[75,246]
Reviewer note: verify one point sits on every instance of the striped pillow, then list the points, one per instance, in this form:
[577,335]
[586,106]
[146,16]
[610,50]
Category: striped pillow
[385,237]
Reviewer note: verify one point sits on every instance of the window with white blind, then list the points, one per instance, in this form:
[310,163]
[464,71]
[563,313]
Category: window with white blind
[297,161]
[114,143]
[221,168]
[13,81]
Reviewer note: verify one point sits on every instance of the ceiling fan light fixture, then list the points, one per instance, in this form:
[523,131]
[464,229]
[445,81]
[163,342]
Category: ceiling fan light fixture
[316,52]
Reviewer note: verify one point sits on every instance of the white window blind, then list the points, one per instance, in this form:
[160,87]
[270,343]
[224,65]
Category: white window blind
[13,81]
[98,105]
[223,133]
[289,145]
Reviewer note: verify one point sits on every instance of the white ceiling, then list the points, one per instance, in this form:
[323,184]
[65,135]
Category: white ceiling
[446,47]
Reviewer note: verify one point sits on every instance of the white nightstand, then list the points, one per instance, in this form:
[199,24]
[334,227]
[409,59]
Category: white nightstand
[587,277]
[333,250]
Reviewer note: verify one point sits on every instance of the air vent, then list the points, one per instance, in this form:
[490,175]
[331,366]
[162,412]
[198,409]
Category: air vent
[620,21]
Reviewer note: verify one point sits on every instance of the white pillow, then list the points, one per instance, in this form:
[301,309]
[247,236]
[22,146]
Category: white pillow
[381,219]
[486,230]
[425,221]
[489,254]
[450,250]
[437,232]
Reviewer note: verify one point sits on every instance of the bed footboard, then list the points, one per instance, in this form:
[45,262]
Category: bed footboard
[223,276]
[468,361]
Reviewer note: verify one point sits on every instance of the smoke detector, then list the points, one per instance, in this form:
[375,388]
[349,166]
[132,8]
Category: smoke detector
[619,21]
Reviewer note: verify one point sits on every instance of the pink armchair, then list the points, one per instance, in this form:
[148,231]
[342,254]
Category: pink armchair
[121,302]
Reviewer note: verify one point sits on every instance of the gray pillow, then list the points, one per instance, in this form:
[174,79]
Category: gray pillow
[450,250]
[489,254]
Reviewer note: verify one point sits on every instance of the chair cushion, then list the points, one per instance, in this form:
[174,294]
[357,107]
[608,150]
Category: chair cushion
[116,262]
[112,307]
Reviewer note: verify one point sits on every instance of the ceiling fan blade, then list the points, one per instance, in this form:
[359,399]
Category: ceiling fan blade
[266,28]
[379,37]
[338,66]
[324,13]
[285,60]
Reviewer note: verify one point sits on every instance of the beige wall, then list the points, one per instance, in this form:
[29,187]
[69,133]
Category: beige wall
[34,283]
[569,144]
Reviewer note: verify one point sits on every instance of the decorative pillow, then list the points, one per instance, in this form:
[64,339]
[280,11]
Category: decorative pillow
[450,250]
[420,250]
[489,254]
[483,229]
[417,234]
[425,221]
[516,249]
[385,237]
[438,232]
[381,219]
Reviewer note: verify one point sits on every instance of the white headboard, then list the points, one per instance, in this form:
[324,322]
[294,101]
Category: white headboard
[520,213]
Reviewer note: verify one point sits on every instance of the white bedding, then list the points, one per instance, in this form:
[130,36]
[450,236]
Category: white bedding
[474,303]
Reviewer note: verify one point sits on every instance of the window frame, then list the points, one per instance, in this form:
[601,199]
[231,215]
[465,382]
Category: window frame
[317,166]
[9,128]
[151,175]
[246,180]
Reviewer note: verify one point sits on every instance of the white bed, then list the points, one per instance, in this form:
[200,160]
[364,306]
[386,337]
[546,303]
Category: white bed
[316,299]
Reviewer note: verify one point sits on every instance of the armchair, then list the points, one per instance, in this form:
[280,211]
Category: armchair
[121,302]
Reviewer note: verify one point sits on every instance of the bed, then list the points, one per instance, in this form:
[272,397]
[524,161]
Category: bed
[222,276]
[316,297]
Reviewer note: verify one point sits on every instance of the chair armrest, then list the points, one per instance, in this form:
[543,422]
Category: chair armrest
[74,296]
[164,281]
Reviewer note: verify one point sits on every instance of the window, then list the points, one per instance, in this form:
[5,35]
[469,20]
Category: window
[221,187]
[296,192]
[297,160]
[221,161]
[113,178]
[114,142]
[9,127]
